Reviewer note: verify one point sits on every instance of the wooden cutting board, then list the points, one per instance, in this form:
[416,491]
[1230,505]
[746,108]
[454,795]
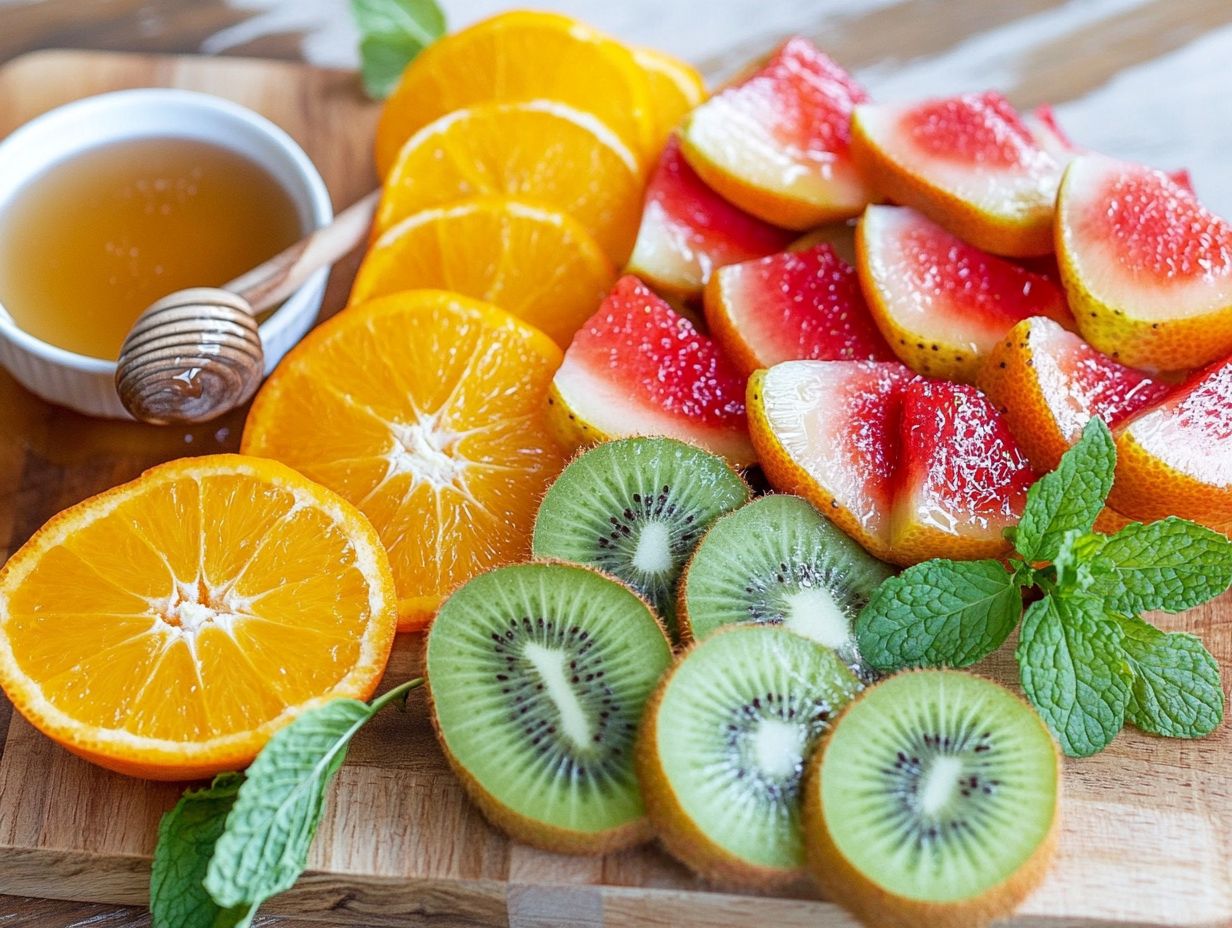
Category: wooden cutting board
[1147,836]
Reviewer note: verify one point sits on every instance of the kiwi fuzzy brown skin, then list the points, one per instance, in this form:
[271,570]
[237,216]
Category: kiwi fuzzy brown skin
[842,883]
[528,830]
[674,829]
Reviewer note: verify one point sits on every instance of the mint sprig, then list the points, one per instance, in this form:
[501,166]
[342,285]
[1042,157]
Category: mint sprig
[225,850]
[1086,660]
[391,34]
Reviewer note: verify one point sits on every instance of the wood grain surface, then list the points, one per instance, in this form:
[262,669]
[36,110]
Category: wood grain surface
[1147,825]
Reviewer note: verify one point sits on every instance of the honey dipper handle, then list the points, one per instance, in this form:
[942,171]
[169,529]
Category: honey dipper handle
[268,284]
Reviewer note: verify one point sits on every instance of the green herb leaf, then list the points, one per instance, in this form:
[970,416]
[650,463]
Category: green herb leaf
[1171,565]
[940,612]
[264,847]
[1070,498]
[1074,670]
[392,33]
[1176,690]
[186,837]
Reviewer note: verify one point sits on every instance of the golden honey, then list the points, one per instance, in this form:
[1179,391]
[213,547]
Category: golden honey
[98,237]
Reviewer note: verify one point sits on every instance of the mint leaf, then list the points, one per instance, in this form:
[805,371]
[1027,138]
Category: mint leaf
[264,846]
[940,612]
[1070,498]
[1176,691]
[186,837]
[1170,565]
[1074,670]
[392,33]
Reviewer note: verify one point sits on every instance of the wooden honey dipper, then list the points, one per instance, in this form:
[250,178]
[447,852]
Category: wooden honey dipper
[196,354]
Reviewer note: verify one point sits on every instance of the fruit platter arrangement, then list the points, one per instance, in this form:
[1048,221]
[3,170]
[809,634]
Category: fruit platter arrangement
[712,443]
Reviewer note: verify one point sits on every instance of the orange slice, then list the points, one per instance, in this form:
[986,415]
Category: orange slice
[519,56]
[539,151]
[534,262]
[675,88]
[425,409]
[167,627]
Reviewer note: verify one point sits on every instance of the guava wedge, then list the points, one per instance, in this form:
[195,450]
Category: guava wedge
[1175,458]
[910,467]
[1147,268]
[966,162]
[792,306]
[941,303]
[1049,383]
[637,367]
[777,142]
[688,230]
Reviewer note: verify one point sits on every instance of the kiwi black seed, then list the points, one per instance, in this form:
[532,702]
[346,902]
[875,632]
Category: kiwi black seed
[777,561]
[933,801]
[724,745]
[635,508]
[538,675]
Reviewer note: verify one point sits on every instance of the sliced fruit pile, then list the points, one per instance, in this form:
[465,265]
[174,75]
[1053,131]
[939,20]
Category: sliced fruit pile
[910,467]
[167,627]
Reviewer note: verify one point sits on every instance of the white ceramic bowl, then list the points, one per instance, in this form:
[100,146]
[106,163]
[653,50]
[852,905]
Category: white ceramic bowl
[88,384]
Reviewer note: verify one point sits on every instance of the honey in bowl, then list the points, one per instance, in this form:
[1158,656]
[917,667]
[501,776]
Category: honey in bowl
[98,237]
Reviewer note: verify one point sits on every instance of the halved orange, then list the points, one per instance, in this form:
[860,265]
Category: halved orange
[167,627]
[426,410]
[537,263]
[539,151]
[519,56]
[675,88]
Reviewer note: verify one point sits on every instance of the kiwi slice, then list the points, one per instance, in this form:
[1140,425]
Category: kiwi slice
[723,748]
[777,561]
[933,801]
[635,508]
[538,675]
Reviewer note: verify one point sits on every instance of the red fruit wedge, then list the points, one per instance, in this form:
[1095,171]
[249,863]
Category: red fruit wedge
[912,468]
[777,142]
[968,163]
[791,306]
[688,230]
[1175,458]
[1049,383]
[637,367]
[942,304]
[963,479]
[1147,268]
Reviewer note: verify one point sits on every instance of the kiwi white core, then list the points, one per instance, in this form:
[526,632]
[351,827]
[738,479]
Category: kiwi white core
[654,548]
[549,663]
[813,613]
[939,784]
[778,747]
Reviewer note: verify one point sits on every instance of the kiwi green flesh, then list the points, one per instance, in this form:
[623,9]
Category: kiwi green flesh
[539,675]
[938,785]
[777,561]
[736,725]
[635,508]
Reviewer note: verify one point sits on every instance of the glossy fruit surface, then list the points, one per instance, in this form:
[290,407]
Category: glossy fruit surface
[1148,269]
[1049,383]
[792,306]
[497,149]
[688,230]
[910,467]
[777,142]
[167,627]
[638,367]
[966,162]
[515,56]
[941,303]
[425,409]
[675,88]
[1175,458]
[532,261]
